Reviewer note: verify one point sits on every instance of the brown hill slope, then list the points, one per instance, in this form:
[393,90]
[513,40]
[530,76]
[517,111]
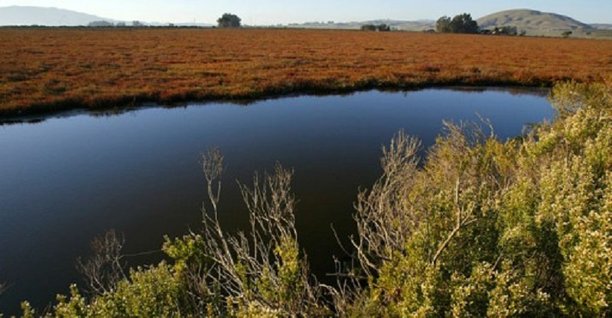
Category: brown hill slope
[535,22]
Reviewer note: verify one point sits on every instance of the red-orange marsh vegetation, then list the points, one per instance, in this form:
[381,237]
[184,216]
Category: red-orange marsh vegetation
[52,69]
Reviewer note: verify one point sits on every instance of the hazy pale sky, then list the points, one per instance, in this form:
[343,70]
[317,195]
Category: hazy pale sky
[287,11]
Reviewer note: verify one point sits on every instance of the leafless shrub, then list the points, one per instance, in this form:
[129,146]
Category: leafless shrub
[105,267]
[262,267]
[383,224]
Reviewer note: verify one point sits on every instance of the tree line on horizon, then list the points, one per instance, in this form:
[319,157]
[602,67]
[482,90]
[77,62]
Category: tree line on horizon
[461,23]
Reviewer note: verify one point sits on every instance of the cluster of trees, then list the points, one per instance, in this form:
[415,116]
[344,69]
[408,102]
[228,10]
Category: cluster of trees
[483,227]
[229,20]
[376,27]
[462,23]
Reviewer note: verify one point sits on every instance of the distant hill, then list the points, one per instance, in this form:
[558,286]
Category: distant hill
[25,16]
[531,21]
[535,22]
[22,15]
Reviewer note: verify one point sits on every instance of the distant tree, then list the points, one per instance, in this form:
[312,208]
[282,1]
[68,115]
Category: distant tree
[137,24]
[121,24]
[374,27]
[463,23]
[511,30]
[368,27]
[384,28]
[443,25]
[566,34]
[229,20]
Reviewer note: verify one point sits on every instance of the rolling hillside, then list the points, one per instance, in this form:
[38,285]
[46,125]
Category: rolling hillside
[26,16]
[22,15]
[535,22]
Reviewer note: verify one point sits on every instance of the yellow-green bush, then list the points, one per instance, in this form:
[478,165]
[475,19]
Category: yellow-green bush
[540,240]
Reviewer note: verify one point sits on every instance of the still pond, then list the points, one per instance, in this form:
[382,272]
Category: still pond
[68,178]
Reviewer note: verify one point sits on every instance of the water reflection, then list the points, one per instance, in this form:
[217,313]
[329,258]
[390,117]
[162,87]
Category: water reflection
[34,119]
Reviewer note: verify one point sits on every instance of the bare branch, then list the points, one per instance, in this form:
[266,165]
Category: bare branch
[383,223]
[212,167]
[242,267]
[105,267]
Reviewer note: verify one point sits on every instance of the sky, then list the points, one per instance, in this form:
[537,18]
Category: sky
[269,12]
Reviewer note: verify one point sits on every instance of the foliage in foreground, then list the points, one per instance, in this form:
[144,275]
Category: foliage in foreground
[482,228]
[521,228]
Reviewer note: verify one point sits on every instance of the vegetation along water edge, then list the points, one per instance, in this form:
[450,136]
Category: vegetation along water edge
[480,227]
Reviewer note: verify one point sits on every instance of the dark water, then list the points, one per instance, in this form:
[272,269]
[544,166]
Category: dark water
[67,179]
